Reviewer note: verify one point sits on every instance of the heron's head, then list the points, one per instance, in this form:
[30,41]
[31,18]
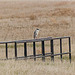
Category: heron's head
[37,29]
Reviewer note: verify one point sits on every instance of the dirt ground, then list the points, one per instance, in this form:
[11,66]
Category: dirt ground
[19,19]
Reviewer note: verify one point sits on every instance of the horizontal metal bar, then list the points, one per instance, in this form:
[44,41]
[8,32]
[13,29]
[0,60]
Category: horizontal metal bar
[34,40]
[41,39]
[38,56]
[61,54]
[49,55]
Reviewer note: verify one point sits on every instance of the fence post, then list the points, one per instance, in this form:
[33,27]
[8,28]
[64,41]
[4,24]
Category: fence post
[15,50]
[34,51]
[52,51]
[43,51]
[61,49]
[6,51]
[25,49]
[69,49]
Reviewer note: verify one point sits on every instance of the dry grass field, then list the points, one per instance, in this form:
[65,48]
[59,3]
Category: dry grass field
[19,19]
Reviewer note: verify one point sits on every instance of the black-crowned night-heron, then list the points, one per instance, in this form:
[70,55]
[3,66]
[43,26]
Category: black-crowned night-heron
[36,33]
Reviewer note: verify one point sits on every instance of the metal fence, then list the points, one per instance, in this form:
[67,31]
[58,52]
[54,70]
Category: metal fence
[43,55]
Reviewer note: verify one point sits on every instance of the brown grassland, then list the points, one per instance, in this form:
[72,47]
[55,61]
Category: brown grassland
[19,19]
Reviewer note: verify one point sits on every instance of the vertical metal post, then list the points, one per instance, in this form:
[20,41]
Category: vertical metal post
[6,51]
[52,51]
[15,50]
[61,49]
[69,49]
[43,51]
[34,51]
[25,49]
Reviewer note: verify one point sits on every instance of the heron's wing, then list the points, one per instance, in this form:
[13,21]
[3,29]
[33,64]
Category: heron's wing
[34,34]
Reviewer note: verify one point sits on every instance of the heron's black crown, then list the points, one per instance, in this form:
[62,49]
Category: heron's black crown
[37,29]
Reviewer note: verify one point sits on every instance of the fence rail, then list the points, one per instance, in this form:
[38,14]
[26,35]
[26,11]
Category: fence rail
[43,55]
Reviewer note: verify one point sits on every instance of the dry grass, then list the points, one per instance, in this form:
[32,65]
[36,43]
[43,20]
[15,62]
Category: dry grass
[63,12]
[19,19]
[32,17]
[35,68]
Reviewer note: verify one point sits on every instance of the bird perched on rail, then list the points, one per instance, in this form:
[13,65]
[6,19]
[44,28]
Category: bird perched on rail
[36,33]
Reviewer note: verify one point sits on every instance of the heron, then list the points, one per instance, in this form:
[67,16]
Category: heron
[36,33]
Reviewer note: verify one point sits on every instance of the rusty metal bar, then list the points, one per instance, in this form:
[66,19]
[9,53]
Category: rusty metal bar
[6,51]
[43,51]
[15,50]
[34,51]
[52,51]
[70,49]
[61,48]
[25,49]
